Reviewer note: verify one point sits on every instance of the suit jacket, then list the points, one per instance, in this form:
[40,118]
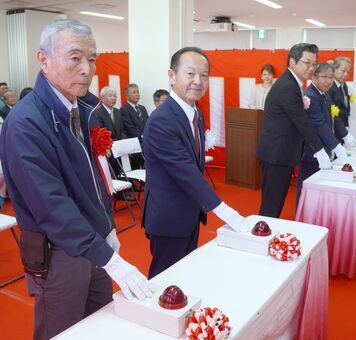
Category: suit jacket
[4,111]
[320,115]
[286,125]
[342,120]
[176,194]
[116,127]
[133,125]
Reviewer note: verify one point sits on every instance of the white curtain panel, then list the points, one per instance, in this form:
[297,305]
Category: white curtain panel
[115,82]
[17,45]
[217,110]
[245,85]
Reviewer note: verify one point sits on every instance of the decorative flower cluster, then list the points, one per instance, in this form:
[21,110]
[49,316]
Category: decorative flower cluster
[334,110]
[101,140]
[306,101]
[208,324]
[285,247]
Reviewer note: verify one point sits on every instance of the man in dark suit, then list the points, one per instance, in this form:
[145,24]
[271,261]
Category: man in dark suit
[285,127]
[110,117]
[10,99]
[135,117]
[340,97]
[320,115]
[177,197]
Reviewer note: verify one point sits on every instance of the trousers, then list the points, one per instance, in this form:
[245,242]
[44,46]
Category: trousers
[74,288]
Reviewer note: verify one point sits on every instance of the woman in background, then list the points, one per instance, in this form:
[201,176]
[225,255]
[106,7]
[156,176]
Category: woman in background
[259,91]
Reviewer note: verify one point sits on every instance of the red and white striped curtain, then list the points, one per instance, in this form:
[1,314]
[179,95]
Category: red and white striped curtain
[232,74]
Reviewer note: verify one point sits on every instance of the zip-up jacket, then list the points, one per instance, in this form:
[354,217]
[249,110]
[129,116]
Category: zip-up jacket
[53,180]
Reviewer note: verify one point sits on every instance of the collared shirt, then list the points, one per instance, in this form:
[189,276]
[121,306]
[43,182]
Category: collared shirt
[68,104]
[300,83]
[110,111]
[188,109]
[337,83]
[133,105]
[318,89]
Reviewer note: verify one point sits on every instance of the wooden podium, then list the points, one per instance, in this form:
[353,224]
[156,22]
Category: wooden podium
[242,133]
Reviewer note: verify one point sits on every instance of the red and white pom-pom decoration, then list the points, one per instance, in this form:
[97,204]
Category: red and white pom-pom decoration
[285,247]
[208,324]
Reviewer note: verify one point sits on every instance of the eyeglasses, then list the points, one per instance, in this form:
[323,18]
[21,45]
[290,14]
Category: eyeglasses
[326,77]
[309,63]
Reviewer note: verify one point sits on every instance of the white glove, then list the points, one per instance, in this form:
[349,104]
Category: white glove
[323,159]
[229,216]
[340,153]
[349,141]
[128,278]
[113,241]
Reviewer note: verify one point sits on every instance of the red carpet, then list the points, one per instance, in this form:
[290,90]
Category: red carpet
[16,307]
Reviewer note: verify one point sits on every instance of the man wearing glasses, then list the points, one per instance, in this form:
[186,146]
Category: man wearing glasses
[285,128]
[319,113]
[340,97]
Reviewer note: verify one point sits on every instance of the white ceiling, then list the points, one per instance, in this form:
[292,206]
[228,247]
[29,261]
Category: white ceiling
[293,13]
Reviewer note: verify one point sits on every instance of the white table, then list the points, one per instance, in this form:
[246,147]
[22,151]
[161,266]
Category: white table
[332,204]
[264,298]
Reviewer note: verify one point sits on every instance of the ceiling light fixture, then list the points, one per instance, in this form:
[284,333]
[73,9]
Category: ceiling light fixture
[101,15]
[315,22]
[243,25]
[269,4]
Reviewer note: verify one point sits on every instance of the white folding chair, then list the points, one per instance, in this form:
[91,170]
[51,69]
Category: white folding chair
[207,160]
[121,186]
[123,149]
[8,222]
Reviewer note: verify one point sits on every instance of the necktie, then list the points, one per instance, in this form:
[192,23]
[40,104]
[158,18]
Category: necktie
[112,114]
[344,95]
[75,119]
[327,108]
[139,112]
[196,133]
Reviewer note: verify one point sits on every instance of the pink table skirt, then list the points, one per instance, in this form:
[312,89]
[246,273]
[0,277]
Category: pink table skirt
[335,209]
[314,301]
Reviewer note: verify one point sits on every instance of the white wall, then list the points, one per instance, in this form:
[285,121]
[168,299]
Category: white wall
[222,40]
[109,37]
[35,22]
[4,69]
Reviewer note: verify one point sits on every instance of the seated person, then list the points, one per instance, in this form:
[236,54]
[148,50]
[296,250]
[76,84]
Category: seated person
[3,89]
[135,117]
[160,96]
[10,99]
[259,91]
[110,118]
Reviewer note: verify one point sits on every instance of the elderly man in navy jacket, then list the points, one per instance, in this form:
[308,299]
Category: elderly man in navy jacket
[68,241]
[177,197]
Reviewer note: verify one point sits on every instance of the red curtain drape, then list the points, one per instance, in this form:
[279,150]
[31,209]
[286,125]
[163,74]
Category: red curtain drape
[229,64]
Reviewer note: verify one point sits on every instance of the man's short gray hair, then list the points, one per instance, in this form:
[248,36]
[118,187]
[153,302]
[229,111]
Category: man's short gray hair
[106,90]
[51,30]
[337,61]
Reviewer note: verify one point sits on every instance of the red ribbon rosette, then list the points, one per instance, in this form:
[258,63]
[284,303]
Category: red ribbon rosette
[285,247]
[208,323]
[101,140]
[101,143]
